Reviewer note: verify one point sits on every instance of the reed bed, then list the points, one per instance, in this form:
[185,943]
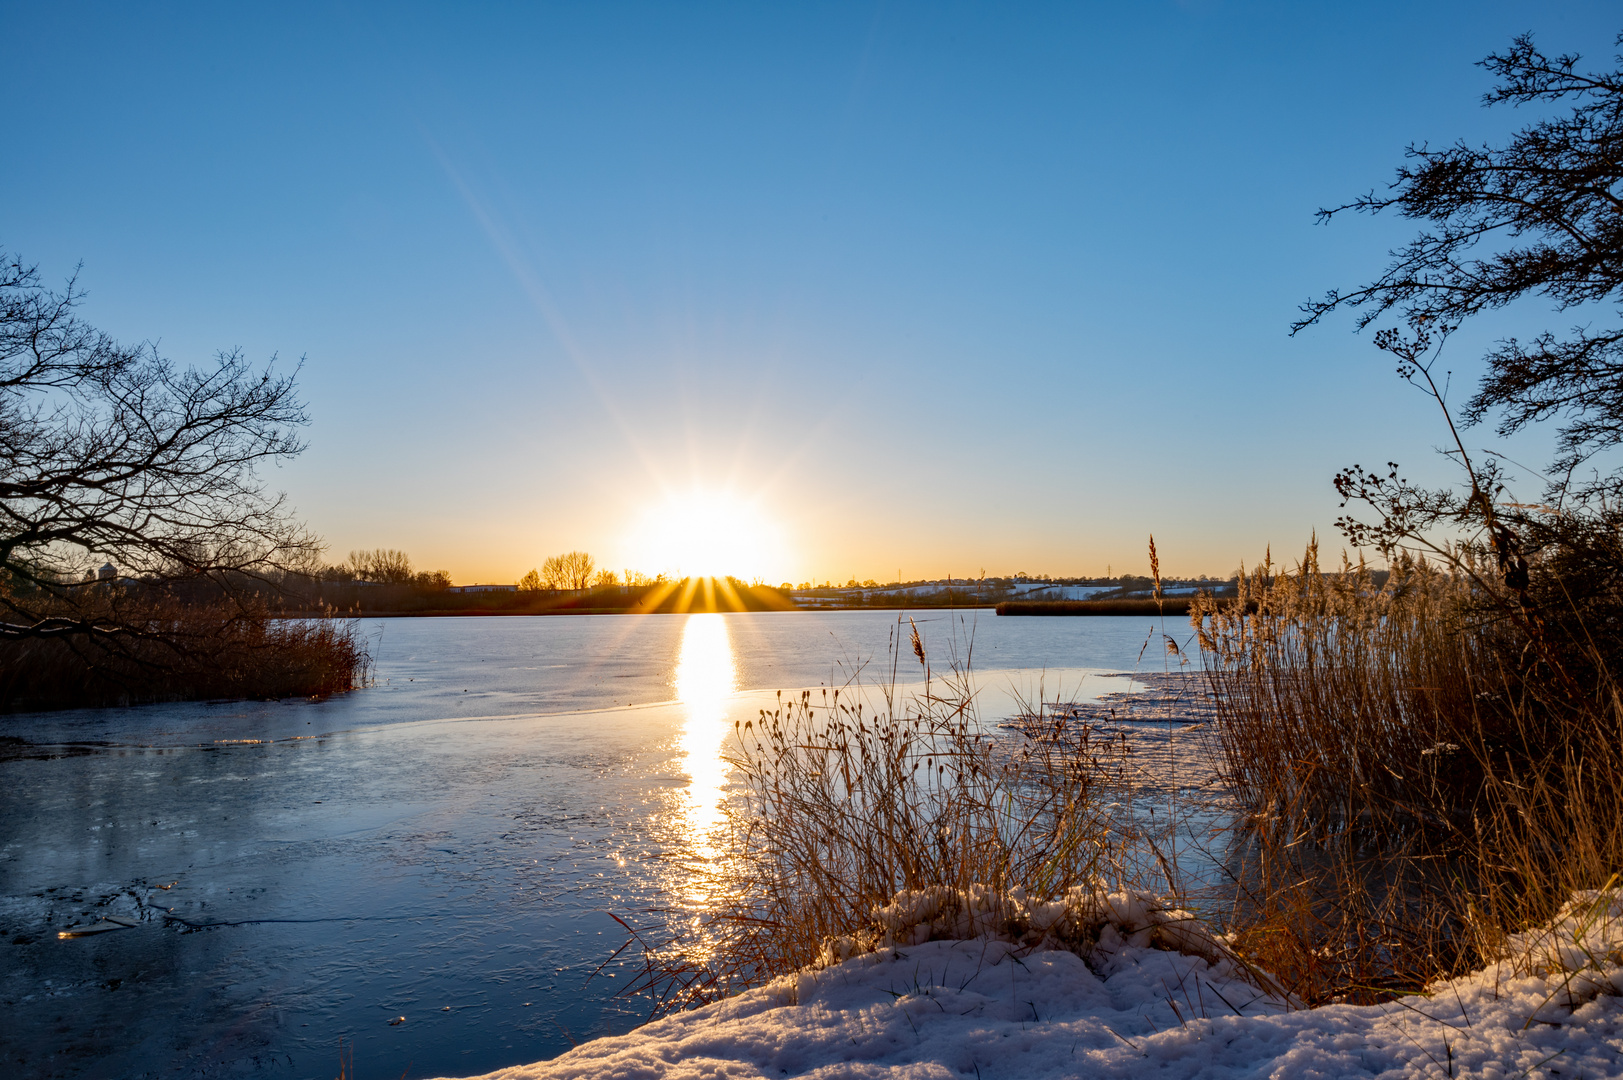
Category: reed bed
[1549,822]
[163,649]
[1417,786]
[1337,698]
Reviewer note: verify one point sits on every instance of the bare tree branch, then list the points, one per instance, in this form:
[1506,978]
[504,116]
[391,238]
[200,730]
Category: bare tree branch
[113,452]
[1541,216]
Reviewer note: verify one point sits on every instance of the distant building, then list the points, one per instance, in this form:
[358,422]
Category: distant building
[482,588]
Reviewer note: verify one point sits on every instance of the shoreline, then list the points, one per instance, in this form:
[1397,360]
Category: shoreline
[1175,606]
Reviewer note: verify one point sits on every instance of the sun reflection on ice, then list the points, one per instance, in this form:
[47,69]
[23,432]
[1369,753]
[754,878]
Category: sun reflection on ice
[705,678]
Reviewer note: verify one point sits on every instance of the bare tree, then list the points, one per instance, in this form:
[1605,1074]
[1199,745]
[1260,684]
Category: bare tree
[530,582]
[569,571]
[112,453]
[386,566]
[1539,216]
[553,575]
[578,568]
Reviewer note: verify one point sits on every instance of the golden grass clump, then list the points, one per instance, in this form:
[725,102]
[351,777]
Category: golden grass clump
[1417,788]
[849,822]
[1336,696]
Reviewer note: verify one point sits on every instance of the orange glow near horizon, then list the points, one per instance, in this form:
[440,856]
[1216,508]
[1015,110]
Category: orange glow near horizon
[694,595]
[707,534]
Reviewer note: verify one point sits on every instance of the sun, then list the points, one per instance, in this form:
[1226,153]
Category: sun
[706,534]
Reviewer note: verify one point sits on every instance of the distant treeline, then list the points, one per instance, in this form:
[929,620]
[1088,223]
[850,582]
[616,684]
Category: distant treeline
[690,594]
[382,581]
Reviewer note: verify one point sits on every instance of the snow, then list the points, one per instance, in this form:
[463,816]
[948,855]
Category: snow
[1042,590]
[1119,985]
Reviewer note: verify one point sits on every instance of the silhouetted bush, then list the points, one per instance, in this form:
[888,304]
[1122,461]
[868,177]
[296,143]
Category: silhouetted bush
[164,649]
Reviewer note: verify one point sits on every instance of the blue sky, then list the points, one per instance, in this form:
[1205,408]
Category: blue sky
[925,288]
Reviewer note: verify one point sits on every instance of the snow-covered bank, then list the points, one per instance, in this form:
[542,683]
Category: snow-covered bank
[993,1008]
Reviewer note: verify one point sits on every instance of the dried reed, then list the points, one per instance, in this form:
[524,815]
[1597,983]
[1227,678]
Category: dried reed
[841,807]
[1549,822]
[168,650]
[1415,797]
[1337,698]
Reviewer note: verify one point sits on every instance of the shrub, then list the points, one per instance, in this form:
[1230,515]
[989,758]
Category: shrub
[167,650]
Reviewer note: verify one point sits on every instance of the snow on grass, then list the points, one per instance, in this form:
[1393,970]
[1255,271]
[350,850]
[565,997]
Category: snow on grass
[1151,998]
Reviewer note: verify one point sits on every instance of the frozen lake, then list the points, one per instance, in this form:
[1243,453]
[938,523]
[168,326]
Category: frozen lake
[442,846]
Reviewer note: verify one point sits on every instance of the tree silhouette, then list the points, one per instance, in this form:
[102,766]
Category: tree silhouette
[1540,216]
[113,453]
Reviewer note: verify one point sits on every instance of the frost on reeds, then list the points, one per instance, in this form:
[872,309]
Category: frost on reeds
[864,819]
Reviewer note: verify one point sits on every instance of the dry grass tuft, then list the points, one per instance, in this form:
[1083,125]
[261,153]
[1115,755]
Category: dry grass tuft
[842,809]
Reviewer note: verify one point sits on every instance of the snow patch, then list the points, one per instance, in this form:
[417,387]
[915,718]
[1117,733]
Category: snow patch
[1093,922]
[1154,995]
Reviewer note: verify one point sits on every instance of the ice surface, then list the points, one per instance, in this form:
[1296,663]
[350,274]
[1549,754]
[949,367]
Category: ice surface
[443,845]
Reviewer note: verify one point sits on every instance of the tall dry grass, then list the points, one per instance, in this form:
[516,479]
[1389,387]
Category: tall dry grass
[1417,787]
[1549,821]
[1338,698]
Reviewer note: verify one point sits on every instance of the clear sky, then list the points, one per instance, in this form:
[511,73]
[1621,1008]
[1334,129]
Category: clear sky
[814,290]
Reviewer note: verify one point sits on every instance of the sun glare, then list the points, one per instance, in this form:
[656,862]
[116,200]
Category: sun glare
[707,534]
[705,677]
